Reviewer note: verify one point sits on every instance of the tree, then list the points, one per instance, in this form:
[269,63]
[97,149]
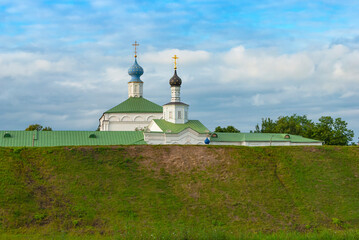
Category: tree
[268,126]
[333,132]
[37,127]
[227,129]
[296,125]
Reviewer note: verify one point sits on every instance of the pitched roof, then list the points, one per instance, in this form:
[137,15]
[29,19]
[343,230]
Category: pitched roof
[259,137]
[169,127]
[69,138]
[136,105]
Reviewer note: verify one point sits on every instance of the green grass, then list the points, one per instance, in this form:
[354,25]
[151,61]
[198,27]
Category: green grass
[179,192]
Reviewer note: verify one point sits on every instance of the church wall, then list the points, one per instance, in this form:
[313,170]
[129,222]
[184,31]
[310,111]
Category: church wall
[305,144]
[187,136]
[135,89]
[227,143]
[127,121]
[170,113]
[153,127]
[264,144]
[127,126]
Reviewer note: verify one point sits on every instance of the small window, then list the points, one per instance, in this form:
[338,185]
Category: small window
[170,115]
[179,115]
[214,135]
[7,135]
[92,135]
[287,136]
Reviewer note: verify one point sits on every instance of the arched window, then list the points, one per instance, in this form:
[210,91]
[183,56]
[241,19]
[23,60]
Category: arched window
[138,119]
[125,119]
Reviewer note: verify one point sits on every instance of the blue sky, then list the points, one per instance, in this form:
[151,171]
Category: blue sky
[63,63]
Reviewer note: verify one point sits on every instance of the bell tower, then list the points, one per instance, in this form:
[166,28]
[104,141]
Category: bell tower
[135,85]
[175,111]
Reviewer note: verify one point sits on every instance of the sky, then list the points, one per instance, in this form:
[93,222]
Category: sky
[64,63]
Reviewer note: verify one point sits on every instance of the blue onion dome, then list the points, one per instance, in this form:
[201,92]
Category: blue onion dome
[135,72]
[175,81]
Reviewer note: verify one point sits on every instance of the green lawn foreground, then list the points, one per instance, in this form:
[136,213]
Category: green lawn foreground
[179,192]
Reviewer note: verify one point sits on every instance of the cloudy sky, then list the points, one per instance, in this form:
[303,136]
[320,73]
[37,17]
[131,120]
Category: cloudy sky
[64,62]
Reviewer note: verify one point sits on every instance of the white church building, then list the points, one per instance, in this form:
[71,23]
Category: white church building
[160,125]
[170,124]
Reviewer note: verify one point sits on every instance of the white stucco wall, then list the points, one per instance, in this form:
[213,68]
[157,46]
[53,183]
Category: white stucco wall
[263,144]
[126,121]
[187,136]
[135,89]
[175,94]
[171,113]
[153,127]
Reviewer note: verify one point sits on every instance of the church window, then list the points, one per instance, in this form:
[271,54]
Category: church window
[92,136]
[135,88]
[179,115]
[170,115]
[214,135]
[7,135]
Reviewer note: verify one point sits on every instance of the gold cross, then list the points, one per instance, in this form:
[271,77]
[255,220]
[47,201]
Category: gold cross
[135,44]
[175,58]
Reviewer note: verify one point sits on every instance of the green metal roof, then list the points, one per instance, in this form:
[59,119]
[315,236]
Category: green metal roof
[136,105]
[259,137]
[69,138]
[169,127]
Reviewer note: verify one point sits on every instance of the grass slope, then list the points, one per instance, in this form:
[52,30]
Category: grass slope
[179,192]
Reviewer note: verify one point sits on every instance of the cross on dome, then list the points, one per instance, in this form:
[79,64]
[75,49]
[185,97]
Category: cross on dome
[135,44]
[136,70]
[175,80]
[175,58]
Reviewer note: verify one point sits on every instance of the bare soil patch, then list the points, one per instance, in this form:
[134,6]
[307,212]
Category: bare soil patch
[175,159]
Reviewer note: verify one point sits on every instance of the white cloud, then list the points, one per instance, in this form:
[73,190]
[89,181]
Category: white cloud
[242,64]
[186,57]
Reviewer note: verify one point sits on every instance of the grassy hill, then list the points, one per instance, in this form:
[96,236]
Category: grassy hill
[183,192]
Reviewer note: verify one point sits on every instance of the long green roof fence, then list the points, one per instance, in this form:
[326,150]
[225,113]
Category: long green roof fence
[169,127]
[259,137]
[136,105]
[69,138]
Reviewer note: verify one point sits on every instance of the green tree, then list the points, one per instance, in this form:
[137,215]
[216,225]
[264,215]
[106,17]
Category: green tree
[296,125]
[328,130]
[227,129]
[333,132]
[37,127]
[268,126]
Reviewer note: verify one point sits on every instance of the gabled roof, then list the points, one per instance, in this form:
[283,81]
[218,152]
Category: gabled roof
[259,137]
[69,138]
[169,127]
[136,105]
